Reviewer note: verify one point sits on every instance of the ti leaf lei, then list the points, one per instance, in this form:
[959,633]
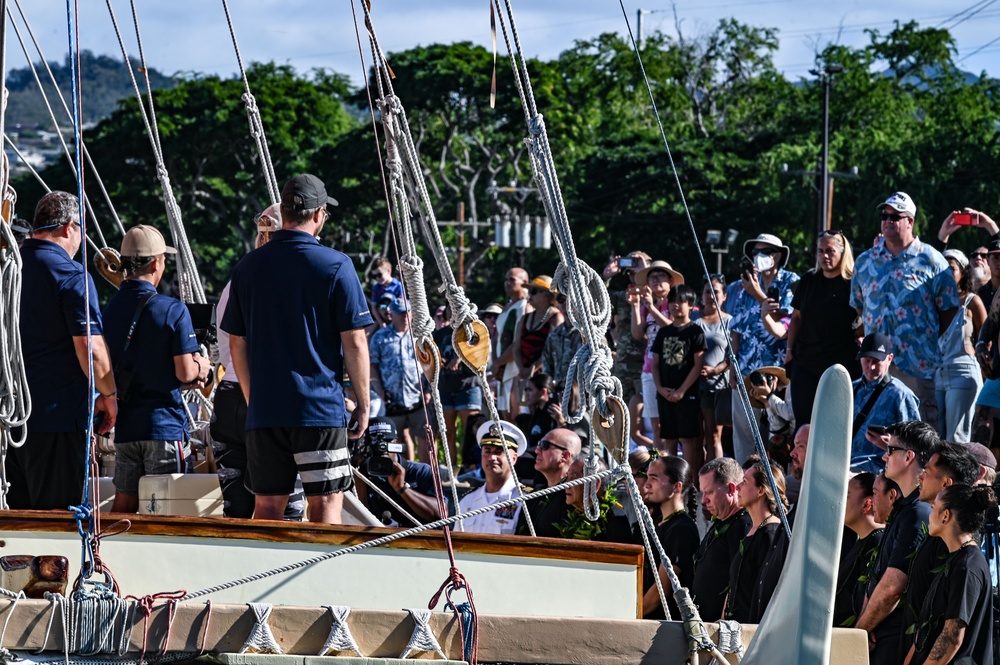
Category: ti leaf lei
[578,527]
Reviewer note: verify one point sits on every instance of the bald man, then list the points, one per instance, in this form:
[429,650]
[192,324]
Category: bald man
[553,457]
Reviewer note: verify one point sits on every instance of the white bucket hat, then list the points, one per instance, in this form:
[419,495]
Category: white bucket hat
[767,239]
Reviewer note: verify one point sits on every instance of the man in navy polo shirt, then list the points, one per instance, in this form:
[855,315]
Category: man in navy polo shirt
[46,473]
[296,317]
[160,355]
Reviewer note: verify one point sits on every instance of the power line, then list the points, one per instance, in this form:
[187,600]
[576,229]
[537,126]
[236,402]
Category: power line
[974,9]
[979,50]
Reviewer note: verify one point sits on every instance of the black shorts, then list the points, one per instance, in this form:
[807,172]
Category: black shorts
[46,473]
[680,420]
[320,455]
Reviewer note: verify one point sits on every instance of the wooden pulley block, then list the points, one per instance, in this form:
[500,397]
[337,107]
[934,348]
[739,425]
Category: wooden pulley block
[109,264]
[613,433]
[475,350]
[429,358]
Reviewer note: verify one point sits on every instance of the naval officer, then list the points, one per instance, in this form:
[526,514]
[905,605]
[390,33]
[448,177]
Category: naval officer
[500,485]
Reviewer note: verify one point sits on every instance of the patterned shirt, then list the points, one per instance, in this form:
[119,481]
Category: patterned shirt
[397,366]
[900,296]
[560,347]
[759,348]
[896,404]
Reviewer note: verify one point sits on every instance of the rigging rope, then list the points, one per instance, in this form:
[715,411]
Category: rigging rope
[62,99]
[189,281]
[740,385]
[404,169]
[253,116]
[588,304]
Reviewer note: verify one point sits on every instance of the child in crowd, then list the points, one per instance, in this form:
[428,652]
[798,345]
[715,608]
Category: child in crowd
[678,356]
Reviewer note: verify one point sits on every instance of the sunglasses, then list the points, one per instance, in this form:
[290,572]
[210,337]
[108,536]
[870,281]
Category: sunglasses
[545,445]
[766,250]
[889,450]
[375,275]
[830,232]
[533,291]
[716,277]
[980,255]
[888,216]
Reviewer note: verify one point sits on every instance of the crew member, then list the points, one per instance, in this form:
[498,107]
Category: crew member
[500,485]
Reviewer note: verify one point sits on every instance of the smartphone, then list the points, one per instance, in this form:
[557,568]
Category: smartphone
[962,218]
[626,262]
[773,294]
[877,429]
[746,268]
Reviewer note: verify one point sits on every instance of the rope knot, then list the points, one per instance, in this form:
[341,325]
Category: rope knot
[536,125]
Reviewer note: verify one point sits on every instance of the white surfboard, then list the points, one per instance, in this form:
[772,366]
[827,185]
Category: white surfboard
[798,624]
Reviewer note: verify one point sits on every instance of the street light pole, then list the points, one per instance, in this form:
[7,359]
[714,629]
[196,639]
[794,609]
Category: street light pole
[823,219]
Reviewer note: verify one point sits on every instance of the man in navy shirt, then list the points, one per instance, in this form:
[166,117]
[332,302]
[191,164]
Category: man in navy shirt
[58,304]
[160,357]
[296,317]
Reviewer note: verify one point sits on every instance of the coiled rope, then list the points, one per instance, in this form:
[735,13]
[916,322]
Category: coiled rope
[588,304]
[403,162]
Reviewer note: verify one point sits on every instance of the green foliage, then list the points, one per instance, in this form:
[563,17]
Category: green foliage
[900,110]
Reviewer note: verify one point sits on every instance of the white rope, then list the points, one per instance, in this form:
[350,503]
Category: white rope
[403,164]
[191,288]
[383,540]
[422,638]
[589,307]
[261,639]
[253,117]
[730,639]
[340,638]
[26,163]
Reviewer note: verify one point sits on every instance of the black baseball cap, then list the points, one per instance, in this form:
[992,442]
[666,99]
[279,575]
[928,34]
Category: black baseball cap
[993,246]
[305,192]
[382,427]
[877,346]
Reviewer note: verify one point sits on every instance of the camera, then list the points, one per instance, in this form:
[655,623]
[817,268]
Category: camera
[372,450]
[626,262]
[757,378]
[203,322]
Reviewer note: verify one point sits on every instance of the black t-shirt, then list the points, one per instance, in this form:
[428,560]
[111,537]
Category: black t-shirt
[679,537]
[770,573]
[924,566]
[963,591]
[826,334]
[547,513]
[676,346]
[745,569]
[452,380]
[906,529]
[855,566]
[718,548]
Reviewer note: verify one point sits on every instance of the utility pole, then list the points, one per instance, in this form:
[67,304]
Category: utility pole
[461,243]
[824,213]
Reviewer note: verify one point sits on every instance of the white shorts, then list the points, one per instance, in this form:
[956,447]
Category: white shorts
[649,408]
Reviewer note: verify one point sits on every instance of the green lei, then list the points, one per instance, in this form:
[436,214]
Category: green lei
[578,527]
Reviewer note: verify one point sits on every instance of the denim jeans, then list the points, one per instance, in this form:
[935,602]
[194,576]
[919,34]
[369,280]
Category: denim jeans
[956,386]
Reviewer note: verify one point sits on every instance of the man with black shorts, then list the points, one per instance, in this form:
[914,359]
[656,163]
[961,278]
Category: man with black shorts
[46,473]
[296,317]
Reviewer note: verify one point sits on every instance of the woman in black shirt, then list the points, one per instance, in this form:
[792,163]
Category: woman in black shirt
[822,333]
[956,615]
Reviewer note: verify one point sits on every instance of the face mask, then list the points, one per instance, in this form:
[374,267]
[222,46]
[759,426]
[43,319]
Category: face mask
[763,262]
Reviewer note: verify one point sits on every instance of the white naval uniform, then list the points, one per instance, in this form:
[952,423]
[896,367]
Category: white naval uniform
[500,521]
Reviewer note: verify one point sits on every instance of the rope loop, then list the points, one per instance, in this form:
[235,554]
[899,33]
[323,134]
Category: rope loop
[536,125]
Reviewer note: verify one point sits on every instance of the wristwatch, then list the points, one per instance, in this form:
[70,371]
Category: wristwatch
[402,490]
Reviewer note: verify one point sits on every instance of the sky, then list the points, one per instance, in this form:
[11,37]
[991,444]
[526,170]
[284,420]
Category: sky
[193,36]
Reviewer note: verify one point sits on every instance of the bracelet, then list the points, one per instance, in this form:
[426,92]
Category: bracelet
[111,394]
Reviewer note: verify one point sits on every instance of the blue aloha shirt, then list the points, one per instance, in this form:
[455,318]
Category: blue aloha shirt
[900,296]
[397,366]
[759,348]
[896,404]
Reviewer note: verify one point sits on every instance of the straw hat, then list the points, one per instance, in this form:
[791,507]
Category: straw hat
[777,372]
[643,275]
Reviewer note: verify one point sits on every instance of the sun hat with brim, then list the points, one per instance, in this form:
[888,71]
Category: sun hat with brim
[900,202]
[543,282]
[270,219]
[777,372]
[642,276]
[489,434]
[767,239]
[492,308]
[144,241]
[958,255]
